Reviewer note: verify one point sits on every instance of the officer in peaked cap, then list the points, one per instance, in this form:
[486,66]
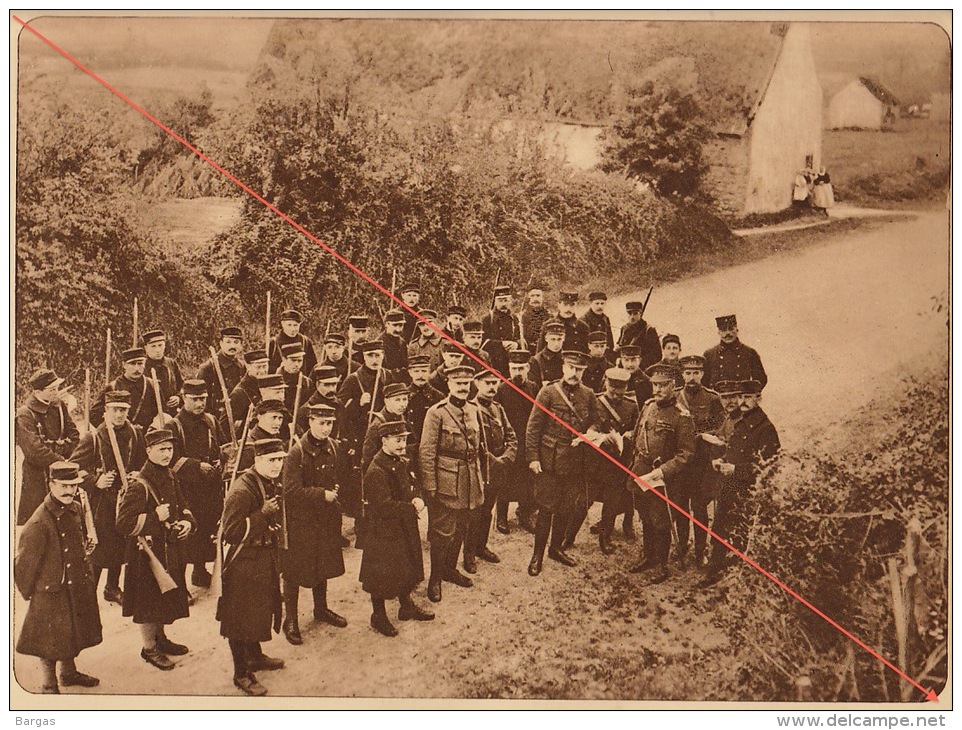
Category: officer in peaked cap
[731,359]
[664,442]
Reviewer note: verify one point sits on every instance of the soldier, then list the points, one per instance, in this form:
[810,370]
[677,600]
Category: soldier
[694,494]
[290,333]
[357,396]
[428,342]
[326,381]
[576,331]
[473,341]
[334,349]
[313,472]
[629,358]
[728,393]
[396,399]
[450,477]
[546,367]
[500,451]
[753,444]
[730,359]
[455,322]
[395,348]
[197,465]
[292,361]
[664,441]
[153,514]
[165,370]
[596,319]
[246,393]
[46,434]
[502,330]
[411,295]
[533,317]
[600,360]
[640,334]
[269,416]
[422,396]
[392,564]
[619,414]
[670,354]
[251,602]
[132,381]
[102,483]
[452,356]
[517,408]
[358,330]
[52,571]
[231,367]
[557,458]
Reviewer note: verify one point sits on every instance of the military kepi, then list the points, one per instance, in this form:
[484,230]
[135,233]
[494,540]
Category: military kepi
[158,436]
[43,379]
[269,447]
[65,472]
[195,388]
[661,373]
[750,387]
[392,428]
[727,322]
[692,362]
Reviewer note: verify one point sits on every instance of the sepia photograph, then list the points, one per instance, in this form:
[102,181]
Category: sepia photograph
[555,360]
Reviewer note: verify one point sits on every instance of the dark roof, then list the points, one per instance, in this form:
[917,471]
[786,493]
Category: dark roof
[878,91]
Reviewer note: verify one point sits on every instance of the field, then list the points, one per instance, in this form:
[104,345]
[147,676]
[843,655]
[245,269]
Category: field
[889,168]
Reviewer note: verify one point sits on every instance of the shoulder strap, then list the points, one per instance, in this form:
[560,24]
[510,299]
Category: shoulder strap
[557,386]
[610,409]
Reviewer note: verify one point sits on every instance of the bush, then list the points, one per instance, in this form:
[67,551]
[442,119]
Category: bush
[827,523]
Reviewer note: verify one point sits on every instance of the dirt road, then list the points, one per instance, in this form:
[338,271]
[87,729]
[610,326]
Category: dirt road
[831,322]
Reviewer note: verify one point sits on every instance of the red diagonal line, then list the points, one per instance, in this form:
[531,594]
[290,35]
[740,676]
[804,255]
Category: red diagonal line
[930,694]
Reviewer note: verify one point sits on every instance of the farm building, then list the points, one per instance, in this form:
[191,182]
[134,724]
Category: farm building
[862,103]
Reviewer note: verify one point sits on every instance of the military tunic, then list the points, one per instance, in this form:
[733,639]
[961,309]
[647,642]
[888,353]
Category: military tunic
[95,457]
[532,322]
[244,395]
[429,346]
[606,481]
[594,376]
[499,450]
[643,335]
[314,551]
[52,571]
[545,368]
[517,408]
[599,323]
[735,361]
[499,327]
[45,433]
[136,517]
[251,602]
[197,464]
[232,368]
[167,372]
[280,339]
[576,333]
[143,406]
[395,353]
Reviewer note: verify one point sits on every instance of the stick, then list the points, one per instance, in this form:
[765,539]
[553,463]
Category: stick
[107,361]
[136,312]
[86,400]
[225,394]
[267,324]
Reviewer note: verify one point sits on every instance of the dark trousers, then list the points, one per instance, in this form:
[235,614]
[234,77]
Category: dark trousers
[656,523]
[447,528]
[730,524]
[242,652]
[479,527]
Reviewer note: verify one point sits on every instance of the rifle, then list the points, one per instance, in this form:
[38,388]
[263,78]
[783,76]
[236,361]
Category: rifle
[226,396]
[216,581]
[135,323]
[107,361]
[160,406]
[644,306]
[267,325]
[164,581]
[497,283]
[393,282]
[290,445]
[370,417]
[327,331]
[86,400]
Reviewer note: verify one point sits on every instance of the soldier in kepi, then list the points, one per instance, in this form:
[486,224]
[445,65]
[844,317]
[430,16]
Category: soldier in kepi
[502,329]
[165,370]
[517,408]
[251,602]
[730,359]
[640,334]
[246,392]
[154,516]
[52,571]
[450,477]
[392,564]
[231,368]
[664,444]
[314,470]
[695,494]
[557,457]
[45,434]
[596,319]
[752,445]
[499,449]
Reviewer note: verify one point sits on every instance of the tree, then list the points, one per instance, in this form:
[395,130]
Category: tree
[658,140]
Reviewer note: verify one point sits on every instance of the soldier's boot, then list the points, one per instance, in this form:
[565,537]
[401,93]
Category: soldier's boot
[452,574]
[410,611]
[574,526]
[200,576]
[663,550]
[258,661]
[292,631]
[502,521]
[379,620]
[481,549]
[470,539]
[71,677]
[542,530]
[50,686]
[434,581]
[604,541]
[700,513]
[321,611]
[559,530]
[628,525]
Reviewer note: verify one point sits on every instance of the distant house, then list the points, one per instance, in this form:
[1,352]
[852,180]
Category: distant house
[761,148]
[862,103]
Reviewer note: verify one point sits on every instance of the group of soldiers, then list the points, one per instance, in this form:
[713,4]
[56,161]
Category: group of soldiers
[252,465]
